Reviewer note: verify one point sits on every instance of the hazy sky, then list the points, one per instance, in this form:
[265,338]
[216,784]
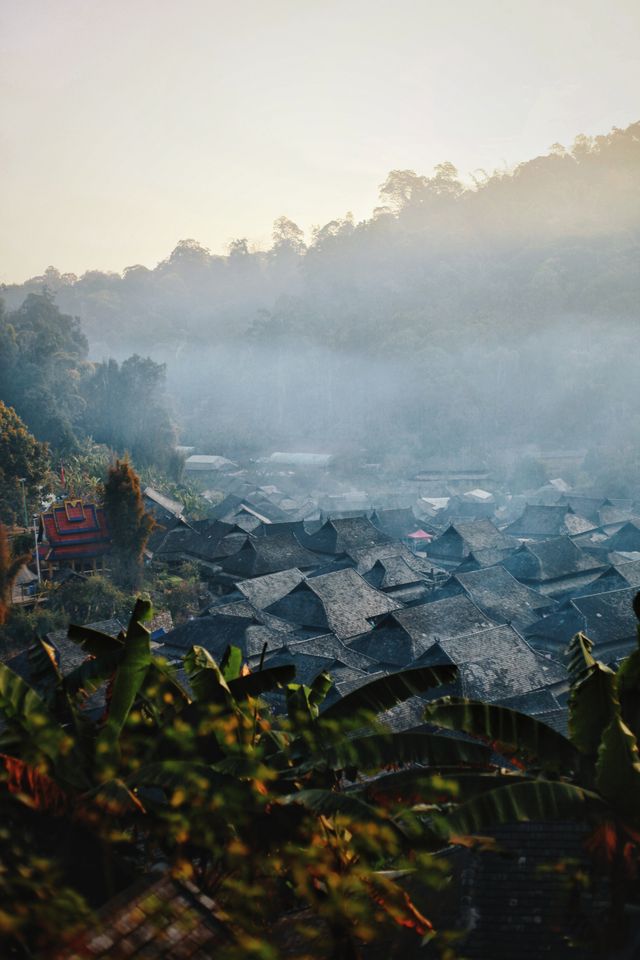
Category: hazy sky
[127,125]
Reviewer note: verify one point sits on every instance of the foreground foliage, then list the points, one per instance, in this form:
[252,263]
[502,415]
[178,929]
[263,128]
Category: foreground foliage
[119,766]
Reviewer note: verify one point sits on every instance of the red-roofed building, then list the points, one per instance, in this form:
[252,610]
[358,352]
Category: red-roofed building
[74,534]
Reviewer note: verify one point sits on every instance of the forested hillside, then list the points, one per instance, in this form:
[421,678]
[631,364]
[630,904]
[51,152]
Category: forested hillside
[439,317]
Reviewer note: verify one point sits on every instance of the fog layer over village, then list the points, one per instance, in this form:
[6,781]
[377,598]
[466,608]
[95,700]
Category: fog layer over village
[481,319]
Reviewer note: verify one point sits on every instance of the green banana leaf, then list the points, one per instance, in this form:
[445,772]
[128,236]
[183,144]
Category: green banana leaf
[380,750]
[253,684]
[386,692]
[618,769]
[509,730]
[206,678]
[518,802]
[231,663]
[593,704]
[129,678]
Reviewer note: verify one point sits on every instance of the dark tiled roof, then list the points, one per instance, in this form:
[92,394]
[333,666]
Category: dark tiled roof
[210,540]
[391,572]
[548,521]
[263,591]
[498,663]
[341,602]
[442,619]
[165,920]
[345,536]
[550,560]
[626,540]
[399,522]
[515,905]
[264,555]
[465,536]
[609,618]
[501,597]
[216,633]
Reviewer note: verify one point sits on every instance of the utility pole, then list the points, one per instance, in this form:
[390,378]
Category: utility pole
[35,537]
[23,480]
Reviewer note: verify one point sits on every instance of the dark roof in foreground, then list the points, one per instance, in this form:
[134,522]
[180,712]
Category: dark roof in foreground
[551,559]
[548,521]
[341,602]
[502,597]
[168,919]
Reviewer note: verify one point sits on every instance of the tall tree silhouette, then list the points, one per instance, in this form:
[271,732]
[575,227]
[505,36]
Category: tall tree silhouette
[130,525]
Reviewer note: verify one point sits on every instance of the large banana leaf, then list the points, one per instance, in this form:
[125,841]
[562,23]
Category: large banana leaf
[508,730]
[231,663]
[628,690]
[380,750]
[424,786]
[328,803]
[94,642]
[171,775]
[129,676]
[31,732]
[253,684]
[44,672]
[593,704]
[206,678]
[386,692]
[90,675]
[518,802]
[618,769]
[580,658]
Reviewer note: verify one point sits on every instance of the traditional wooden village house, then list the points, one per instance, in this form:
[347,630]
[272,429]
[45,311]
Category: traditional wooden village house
[73,534]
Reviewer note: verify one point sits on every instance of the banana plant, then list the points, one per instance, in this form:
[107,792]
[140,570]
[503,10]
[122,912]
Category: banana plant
[593,776]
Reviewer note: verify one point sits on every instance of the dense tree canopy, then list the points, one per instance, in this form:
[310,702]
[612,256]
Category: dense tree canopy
[22,457]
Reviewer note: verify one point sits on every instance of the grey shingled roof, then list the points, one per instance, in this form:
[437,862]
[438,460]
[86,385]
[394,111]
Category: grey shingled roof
[496,663]
[502,597]
[345,536]
[396,522]
[392,572]
[543,522]
[261,592]
[626,540]
[340,601]
[450,617]
[404,636]
[551,559]
[463,537]
[209,540]
[264,555]
[216,632]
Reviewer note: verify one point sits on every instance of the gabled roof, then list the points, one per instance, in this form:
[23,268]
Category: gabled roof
[263,555]
[261,592]
[390,572]
[464,536]
[206,540]
[397,522]
[553,559]
[609,617]
[75,531]
[341,602]
[627,538]
[442,619]
[345,536]
[216,632]
[497,663]
[542,522]
[501,597]
[162,505]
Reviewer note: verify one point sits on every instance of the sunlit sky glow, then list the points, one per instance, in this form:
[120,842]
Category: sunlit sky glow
[127,125]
